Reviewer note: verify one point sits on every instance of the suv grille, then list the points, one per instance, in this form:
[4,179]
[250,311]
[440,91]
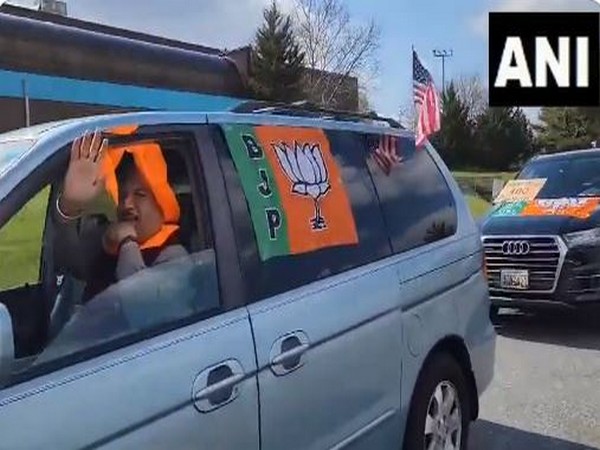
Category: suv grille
[540,256]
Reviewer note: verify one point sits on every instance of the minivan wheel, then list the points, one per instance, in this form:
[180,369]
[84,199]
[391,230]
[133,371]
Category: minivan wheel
[440,413]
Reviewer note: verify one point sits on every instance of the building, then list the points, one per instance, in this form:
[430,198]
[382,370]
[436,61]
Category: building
[53,7]
[55,67]
[333,89]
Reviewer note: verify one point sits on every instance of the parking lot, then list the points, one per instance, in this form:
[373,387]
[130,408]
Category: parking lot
[546,390]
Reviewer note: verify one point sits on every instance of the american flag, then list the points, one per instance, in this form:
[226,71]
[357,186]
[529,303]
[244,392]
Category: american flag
[426,100]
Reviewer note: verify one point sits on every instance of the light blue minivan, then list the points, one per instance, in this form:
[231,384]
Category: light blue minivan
[333,295]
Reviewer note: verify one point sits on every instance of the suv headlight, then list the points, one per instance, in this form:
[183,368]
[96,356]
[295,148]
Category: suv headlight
[586,237]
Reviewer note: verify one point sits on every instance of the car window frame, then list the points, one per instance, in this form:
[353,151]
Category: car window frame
[205,169]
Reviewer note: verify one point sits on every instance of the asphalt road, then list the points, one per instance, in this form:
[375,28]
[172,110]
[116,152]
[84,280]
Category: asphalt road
[546,390]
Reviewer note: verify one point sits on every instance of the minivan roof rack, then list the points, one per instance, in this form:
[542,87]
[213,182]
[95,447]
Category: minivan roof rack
[307,109]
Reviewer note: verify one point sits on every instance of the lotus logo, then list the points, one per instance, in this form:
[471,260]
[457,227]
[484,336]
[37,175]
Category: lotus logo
[306,169]
[515,248]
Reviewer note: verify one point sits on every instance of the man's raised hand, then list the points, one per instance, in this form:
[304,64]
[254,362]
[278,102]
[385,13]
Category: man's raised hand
[84,179]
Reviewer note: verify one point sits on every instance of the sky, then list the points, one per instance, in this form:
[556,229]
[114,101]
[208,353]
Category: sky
[457,25]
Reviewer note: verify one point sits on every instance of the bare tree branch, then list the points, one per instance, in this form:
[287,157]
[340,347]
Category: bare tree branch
[335,47]
[473,93]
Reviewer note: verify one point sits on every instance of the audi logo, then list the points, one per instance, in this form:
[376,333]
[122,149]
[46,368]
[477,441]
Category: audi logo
[515,247]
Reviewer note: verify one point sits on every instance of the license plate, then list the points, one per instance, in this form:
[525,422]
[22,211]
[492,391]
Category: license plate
[514,279]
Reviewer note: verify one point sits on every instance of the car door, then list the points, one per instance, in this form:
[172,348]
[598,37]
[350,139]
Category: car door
[162,359]
[313,250]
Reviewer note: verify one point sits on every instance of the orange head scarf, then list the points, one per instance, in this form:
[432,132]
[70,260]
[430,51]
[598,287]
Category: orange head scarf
[151,165]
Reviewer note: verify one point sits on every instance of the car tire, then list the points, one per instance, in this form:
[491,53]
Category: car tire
[441,375]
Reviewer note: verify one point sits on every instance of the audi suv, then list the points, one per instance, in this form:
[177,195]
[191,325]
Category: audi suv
[546,251]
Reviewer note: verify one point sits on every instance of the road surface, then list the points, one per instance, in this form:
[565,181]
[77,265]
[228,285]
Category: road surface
[546,390]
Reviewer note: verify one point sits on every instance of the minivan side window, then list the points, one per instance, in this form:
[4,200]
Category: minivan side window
[303,204]
[417,203]
[69,314]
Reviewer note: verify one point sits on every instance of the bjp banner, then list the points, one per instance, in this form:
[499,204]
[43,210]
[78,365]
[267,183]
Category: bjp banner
[580,208]
[297,199]
[577,208]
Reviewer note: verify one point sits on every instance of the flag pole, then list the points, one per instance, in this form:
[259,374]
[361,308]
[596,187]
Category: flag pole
[412,75]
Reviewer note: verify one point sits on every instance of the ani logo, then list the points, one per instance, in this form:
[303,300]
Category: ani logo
[305,167]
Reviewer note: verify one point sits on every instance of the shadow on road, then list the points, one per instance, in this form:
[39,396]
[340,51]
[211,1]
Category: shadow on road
[578,329]
[492,436]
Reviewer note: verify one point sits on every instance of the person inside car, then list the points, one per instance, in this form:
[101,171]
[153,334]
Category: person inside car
[145,232]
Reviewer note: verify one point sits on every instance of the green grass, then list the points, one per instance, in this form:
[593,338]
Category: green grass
[477,205]
[21,239]
[480,184]
[21,243]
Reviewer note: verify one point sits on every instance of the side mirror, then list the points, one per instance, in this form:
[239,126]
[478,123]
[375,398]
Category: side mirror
[7,346]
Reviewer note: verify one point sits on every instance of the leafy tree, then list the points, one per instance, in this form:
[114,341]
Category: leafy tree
[474,136]
[454,140]
[504,138]
[593,117]
[568,128]
[277,61]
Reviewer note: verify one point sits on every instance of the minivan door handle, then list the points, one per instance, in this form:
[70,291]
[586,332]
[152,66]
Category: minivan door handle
[291,355]
[217,386]
[287,351]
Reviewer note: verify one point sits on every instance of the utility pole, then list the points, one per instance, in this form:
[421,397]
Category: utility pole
[443,54]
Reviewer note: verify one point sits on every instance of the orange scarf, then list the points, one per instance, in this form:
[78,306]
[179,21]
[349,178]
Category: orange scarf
[151,164]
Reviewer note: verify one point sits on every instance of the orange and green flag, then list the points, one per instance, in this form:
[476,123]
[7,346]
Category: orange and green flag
[294,189]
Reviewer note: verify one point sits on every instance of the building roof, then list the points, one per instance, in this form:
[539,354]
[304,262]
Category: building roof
[105,29]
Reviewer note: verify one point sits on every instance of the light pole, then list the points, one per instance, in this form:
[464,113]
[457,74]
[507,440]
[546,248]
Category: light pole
[443,54]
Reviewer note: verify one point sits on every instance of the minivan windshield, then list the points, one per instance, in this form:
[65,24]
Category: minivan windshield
[569,177]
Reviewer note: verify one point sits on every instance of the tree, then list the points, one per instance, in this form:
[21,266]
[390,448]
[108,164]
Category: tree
[454,140]
[568,128]
[473,94]
[474,136]
[593,116]
[277,61]
[334,45]
[503,138]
